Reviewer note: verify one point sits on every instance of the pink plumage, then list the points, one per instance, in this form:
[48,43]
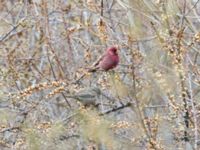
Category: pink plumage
[108,61]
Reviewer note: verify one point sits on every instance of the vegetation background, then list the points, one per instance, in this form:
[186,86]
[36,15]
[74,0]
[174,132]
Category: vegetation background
[150,101]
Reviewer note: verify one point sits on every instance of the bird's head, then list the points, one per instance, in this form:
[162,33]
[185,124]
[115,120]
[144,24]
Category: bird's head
[112,50]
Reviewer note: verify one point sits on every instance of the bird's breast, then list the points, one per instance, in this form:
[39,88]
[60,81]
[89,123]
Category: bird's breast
[109,62]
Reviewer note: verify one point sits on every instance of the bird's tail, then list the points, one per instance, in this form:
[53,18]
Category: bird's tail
[92,70]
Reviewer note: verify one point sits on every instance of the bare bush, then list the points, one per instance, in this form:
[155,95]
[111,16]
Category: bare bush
[150,101]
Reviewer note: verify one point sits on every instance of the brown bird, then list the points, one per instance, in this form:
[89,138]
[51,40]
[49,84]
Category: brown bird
[88,96]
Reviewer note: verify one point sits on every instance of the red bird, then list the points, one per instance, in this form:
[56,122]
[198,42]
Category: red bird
[109,60]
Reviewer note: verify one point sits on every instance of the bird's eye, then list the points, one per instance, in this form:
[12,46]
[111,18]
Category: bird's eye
[113,50]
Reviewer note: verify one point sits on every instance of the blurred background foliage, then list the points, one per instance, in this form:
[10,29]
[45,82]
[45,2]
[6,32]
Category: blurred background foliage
[150,101]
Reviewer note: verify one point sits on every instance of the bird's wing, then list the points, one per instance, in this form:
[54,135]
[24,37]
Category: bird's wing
[98,60]
[95,66]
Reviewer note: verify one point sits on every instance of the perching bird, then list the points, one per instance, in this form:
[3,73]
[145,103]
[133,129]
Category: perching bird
[87,96]
[107,61]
